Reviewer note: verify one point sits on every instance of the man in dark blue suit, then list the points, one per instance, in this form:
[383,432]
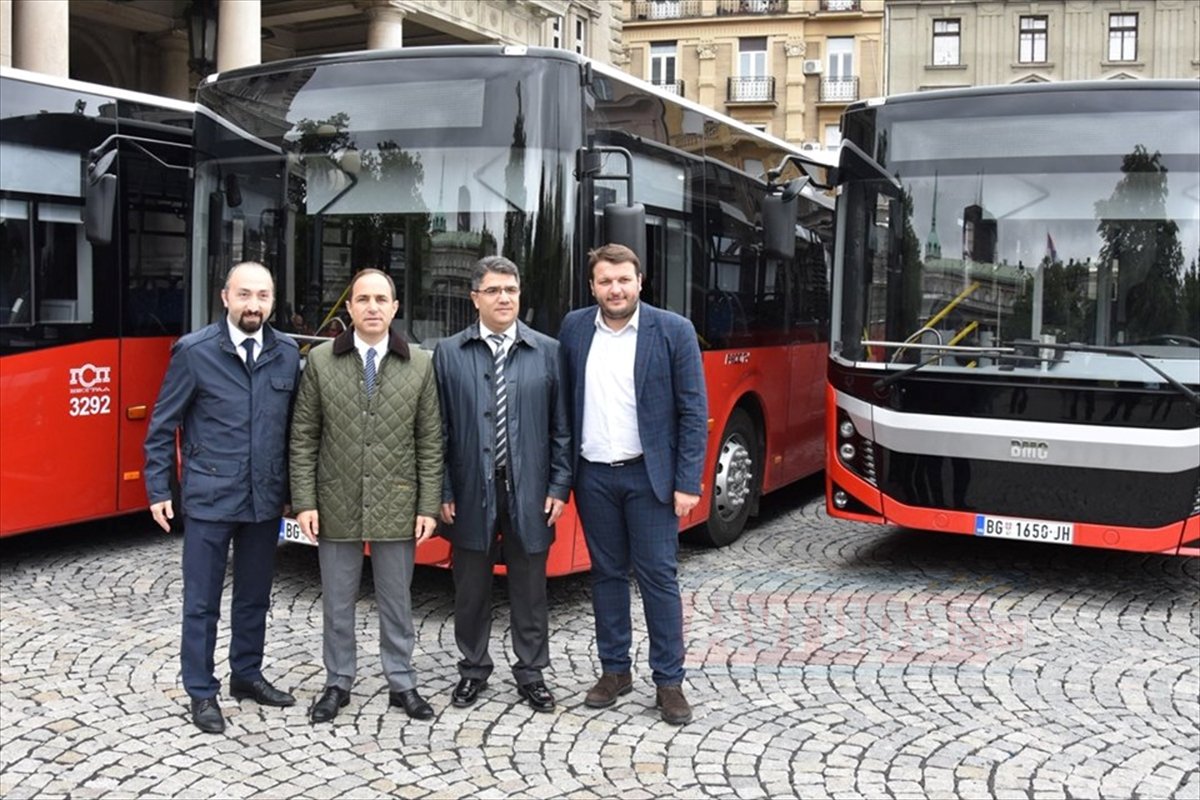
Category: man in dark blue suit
[641,417]
[229,387]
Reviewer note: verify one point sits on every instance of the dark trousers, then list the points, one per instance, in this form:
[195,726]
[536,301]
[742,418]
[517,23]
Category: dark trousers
[205,554]
[626,527]
[530,618]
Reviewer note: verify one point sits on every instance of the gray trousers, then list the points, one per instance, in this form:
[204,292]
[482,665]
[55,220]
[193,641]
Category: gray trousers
[341,574]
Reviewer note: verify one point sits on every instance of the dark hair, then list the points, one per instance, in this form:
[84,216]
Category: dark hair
[614,254]
[497,264]
[371,271]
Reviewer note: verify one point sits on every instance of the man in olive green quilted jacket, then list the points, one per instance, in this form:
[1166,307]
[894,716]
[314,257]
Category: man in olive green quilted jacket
[366,466]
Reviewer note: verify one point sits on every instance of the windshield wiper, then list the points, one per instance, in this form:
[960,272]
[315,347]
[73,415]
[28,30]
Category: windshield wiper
[1077,347]
[941,351]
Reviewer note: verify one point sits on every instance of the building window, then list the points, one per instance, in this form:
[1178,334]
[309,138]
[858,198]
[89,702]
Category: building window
[947,42]
[1122,37]
[556,33]
[1031,47]
[833,137]
[581,36]
[662,64]
[839,84]
[752,83]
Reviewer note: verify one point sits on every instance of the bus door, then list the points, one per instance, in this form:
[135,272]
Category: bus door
[808,297]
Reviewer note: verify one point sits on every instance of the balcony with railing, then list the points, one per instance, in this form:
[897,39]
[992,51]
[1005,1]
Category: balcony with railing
[670,87]
[841,5]
[757,89]
[664,9]
[726,7]
[839,90]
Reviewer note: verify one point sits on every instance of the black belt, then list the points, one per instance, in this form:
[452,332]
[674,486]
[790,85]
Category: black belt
[629,462]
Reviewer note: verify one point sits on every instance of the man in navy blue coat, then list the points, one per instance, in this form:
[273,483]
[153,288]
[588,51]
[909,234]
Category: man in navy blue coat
[641,418]
[229,386]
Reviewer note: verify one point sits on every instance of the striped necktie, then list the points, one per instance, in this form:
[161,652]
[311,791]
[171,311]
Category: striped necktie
[369,371]
[501,401]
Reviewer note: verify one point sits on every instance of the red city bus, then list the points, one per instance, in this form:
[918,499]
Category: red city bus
[94,186]
[1016,315]
[420,161]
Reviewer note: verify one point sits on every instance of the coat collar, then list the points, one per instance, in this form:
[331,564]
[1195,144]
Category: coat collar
[344,343]
[268,342]
[522,335]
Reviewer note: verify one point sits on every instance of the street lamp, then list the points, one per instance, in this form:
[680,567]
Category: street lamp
[202,36]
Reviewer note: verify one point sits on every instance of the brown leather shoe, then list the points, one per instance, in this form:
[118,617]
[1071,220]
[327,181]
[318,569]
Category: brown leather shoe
[673,705]
[608,688]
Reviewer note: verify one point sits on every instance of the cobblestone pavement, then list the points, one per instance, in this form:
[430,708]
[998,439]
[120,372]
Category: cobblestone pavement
[825,659]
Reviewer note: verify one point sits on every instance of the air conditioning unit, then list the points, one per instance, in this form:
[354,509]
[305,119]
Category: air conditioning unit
[812,66]
[810,145]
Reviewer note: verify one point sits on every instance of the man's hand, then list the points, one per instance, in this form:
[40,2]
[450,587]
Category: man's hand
[553,510]
[684,503]
[310,524]
[424,528]
[448,513]
[163,512]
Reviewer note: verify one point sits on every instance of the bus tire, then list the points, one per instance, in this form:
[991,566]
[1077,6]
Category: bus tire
[736,481]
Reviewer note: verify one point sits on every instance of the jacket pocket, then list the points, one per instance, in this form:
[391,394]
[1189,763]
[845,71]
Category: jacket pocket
[219,485]
[282,384]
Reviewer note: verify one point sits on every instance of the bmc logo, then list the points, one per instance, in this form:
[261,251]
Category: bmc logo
[90,375]
[1033,451]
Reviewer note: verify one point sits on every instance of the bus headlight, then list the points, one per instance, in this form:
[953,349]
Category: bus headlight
[846,428]
[846,451]
[840,499]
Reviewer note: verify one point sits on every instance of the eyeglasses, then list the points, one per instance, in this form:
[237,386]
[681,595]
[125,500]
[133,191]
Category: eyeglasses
[494,291]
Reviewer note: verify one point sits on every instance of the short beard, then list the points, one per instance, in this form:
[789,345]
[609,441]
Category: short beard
[633,307]
[246,327]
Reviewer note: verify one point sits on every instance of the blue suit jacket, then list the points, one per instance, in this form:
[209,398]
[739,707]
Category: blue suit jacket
[235,426]
[672,404]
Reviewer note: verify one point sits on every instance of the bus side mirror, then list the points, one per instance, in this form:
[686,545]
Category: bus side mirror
[100,200]
[626,225]
[780,212]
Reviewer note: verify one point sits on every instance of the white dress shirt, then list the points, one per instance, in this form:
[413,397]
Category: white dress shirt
[610,425]
[237,335]
[362,348]
[509,334]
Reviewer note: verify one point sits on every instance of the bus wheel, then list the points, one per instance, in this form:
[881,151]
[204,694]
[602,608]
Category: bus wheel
[735,481]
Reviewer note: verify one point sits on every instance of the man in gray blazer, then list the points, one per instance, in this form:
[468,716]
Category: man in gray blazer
[507,440]
[229,386]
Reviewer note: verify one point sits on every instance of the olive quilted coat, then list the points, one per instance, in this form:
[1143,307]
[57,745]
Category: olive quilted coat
[368,465]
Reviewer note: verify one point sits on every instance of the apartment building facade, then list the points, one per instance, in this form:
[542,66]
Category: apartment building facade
[935,44]
[788,67]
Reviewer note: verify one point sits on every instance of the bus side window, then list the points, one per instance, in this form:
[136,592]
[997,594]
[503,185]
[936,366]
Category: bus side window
[16,264]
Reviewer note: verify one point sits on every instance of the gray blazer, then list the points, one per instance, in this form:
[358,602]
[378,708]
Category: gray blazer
[235,426]
[539,435]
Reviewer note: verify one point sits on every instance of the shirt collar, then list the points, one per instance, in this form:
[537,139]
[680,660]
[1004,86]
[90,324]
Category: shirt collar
[237,336]
[362,347]
[508,333]
[632,324]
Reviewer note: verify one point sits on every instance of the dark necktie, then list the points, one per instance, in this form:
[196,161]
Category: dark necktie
[369,371]
[501,402]
[249,345]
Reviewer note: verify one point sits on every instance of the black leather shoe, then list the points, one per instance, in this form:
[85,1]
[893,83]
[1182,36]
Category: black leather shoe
[467,692]
[331,701]
[538,695]
[207,716]
[261,692]
[410,700]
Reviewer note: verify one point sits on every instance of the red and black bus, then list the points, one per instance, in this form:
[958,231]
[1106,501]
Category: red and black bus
[420,161]
[1016,314]
[94,192]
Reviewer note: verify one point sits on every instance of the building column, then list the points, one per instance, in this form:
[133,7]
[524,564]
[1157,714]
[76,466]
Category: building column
[793,97]
[239,34]
[39,36]
[385,27]
[6,33]
[706,83]
[175,78]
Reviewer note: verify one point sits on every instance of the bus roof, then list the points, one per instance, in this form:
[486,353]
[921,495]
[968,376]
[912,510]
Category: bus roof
[1026,88]
[95,88]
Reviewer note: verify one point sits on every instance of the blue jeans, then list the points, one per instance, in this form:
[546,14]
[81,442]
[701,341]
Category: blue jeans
[626,526]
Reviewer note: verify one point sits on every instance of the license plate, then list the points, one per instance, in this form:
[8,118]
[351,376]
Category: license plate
[1025,530]
[289,531]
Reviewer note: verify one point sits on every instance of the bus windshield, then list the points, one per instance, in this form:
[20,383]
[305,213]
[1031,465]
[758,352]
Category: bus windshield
[415,169]
[1062,222]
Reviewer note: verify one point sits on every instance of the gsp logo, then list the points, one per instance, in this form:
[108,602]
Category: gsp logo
[89,375]
[1029,451]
